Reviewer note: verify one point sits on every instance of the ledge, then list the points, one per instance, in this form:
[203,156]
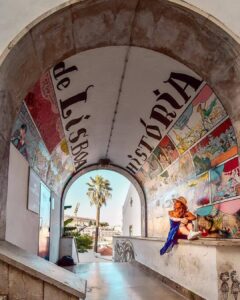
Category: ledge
[199,242]
[42,269]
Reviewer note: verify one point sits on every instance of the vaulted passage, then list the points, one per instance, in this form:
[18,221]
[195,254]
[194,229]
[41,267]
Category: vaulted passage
[142,88]
[148,115]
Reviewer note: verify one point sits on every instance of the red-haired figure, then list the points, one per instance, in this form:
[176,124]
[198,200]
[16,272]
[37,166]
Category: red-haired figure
[180,224]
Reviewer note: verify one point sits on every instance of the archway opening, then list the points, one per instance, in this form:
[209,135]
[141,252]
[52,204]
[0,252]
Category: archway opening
[158,120]
[121,215]
[149,101]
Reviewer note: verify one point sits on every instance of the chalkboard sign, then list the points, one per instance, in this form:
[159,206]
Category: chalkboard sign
[34,190]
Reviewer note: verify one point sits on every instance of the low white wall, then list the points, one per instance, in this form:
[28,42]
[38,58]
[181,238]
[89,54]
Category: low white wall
[22,225]
[55,229]
[68,247]
[194,265]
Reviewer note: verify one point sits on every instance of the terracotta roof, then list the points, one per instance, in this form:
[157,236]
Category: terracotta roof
[105,251]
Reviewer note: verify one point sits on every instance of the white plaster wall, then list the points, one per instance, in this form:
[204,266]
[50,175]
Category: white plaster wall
[22,225]
[132,214]
[227,12]
[55,229]
[192,266]
[68,247]
[16,15]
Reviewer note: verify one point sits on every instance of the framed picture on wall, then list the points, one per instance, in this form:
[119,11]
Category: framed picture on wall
[34,192]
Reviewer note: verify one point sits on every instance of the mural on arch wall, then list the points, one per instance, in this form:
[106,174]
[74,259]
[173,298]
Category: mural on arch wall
[166,152]
[204,113]
[220,220]
[225,180]
[204,169]
[170,129]
[39,137]
[26,138]
[215,148]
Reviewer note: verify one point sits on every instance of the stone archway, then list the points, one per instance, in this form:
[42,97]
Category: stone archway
[169,28]
[118,170]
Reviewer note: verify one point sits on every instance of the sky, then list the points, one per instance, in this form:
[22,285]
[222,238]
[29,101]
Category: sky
[112,212]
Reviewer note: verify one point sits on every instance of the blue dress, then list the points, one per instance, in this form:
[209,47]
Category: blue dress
[172,237]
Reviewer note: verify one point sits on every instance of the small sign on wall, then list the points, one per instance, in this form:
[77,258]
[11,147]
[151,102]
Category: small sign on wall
[34,188]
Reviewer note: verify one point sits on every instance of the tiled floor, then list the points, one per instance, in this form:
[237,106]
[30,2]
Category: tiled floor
[122,281]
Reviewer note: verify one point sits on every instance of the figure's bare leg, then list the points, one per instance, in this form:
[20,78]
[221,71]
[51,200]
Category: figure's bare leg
[190,226]
[183,230]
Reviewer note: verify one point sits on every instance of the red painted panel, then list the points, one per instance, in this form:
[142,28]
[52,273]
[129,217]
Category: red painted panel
[41,103]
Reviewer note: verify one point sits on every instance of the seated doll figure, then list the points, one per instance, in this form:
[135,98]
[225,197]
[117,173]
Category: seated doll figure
[180,224]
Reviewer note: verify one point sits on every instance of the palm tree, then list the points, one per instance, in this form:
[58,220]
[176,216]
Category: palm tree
[98,192]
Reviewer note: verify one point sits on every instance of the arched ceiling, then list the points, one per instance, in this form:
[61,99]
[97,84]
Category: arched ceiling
[113,103]
[147,113]
[14,16]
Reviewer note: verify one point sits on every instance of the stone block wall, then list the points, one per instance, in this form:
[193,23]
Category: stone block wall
[16,284]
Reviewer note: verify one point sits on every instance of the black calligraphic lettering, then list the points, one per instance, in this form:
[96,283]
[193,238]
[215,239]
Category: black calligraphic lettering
[150,129]
[129,169]
[74,139]
[160,117]
[145,144]
[72,100]
[132,166]
[141,154]
[76,150]
[64,83]
[189,80]
[80,161]
[60,70]
[168,98]
[80,156]
[76,121]
[73,122]
[132,158]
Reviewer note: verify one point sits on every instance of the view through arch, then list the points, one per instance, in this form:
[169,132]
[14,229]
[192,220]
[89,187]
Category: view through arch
[120,216]
[165,126]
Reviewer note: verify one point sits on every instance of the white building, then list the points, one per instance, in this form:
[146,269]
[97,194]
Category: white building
[131,223]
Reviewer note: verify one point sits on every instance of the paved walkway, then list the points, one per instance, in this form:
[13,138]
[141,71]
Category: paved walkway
[122,281]
[91,256]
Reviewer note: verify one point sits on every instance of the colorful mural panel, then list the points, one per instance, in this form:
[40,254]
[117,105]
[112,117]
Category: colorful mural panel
[42,106]
[152,167]
[220,220]
[215,148]
[202,191]
[196,191]
[27,140]
[166,152]
[186,167]
[54,169]
[203,114]
[61,167]
[225,180]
